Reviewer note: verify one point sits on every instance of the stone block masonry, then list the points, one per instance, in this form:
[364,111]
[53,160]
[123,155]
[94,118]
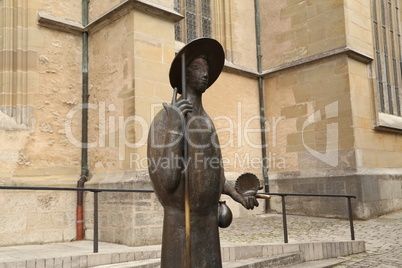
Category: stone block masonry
[36,217]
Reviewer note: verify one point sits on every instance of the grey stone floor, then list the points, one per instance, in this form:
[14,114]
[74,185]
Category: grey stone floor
[383,235]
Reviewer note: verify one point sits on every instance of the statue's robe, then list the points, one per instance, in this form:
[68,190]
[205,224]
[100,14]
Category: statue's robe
[206,182]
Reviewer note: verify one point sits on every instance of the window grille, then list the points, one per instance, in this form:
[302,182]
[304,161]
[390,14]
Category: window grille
[206,18]
[388,61]
[197,22]
[177,28]
[191,20]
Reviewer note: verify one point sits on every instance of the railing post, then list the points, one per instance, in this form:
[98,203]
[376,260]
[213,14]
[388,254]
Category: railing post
[285,224]
[95,221]
[352,230]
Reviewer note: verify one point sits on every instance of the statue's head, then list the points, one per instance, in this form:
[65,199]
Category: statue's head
[204,53]
[197,74]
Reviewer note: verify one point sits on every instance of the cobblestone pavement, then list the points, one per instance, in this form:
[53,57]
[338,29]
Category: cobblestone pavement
[383,235]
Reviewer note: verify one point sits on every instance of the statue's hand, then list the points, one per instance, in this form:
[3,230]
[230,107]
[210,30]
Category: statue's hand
[177,110]
[249,201]
[247,186]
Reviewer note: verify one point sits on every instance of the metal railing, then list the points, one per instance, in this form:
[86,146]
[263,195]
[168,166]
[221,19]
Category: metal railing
[285,225]
[96,191]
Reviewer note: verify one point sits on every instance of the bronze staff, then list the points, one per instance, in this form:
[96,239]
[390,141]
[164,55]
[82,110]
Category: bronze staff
[187,219]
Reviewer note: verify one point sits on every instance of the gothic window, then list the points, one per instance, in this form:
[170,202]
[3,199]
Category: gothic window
[197,21]
[388,61]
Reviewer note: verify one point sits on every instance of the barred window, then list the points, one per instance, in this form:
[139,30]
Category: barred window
[388,61]
[197,21]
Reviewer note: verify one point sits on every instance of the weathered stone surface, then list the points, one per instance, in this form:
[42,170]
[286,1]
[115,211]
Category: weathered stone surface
[375,194]
[319,93]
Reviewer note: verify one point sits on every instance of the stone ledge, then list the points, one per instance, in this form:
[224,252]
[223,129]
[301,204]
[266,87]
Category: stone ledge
[56,23]
[349,52]
[253,73]
[62,24]
[389,122]
[240,70]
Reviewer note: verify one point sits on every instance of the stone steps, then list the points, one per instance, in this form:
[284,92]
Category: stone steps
[152,263]
[328,263]
[275,261]
[78,254]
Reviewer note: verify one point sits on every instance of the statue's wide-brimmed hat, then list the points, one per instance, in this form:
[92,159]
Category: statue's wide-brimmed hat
[210,49]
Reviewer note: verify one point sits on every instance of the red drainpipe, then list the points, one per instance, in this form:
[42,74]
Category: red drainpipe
[80,208]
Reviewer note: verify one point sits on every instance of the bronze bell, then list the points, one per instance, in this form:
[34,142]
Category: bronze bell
[225,215]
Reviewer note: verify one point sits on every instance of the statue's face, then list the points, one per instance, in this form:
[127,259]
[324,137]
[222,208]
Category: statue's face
[197,75]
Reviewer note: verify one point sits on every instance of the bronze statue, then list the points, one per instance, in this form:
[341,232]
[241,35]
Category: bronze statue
[185,162]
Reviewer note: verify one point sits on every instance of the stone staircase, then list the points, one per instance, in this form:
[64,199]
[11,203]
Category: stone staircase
[233,255]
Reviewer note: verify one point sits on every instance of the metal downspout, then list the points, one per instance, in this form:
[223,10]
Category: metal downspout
[84,147]
[261,102]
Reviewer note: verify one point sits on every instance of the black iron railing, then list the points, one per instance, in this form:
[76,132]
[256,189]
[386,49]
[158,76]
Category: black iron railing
[96,191]
[285,225]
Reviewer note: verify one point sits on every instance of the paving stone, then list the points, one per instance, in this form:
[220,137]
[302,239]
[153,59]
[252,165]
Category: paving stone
[382,236]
